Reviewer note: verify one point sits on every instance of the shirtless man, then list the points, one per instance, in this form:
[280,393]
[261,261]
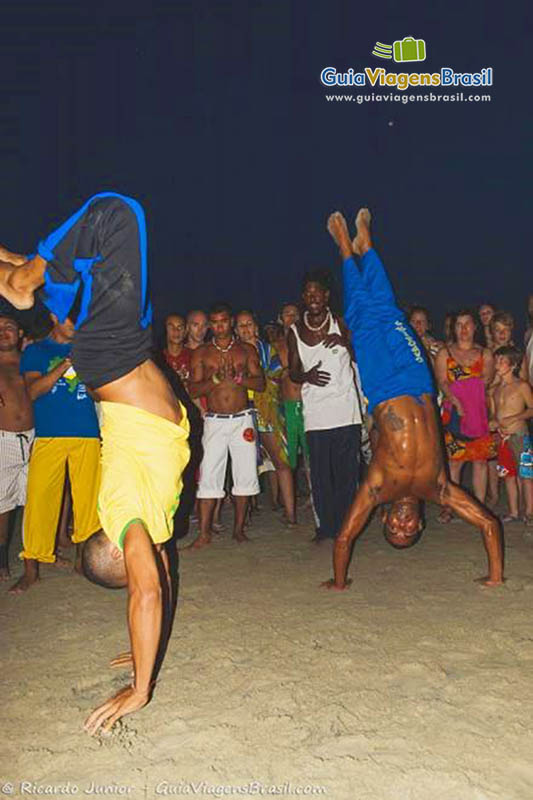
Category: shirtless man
[16,432]
[101,252]
[223,370]
[408,463]
[511,405]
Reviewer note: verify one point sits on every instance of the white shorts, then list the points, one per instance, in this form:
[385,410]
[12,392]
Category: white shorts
[234,434]
[14,458]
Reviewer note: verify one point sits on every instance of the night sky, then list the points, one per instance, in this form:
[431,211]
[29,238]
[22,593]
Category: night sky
[212,114]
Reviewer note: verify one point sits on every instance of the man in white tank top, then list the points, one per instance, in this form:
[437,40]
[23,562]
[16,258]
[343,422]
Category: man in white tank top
[320,359]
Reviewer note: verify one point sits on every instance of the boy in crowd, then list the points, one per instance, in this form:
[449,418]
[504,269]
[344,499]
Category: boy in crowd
[511,405]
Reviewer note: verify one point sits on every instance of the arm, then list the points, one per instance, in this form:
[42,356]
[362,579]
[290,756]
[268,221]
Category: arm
[488,366]
[255,378]
[38,384]
[296,373]
[145,611]
[199,386]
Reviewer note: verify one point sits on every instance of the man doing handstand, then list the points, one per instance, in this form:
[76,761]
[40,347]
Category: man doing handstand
[101,253]
[407,465]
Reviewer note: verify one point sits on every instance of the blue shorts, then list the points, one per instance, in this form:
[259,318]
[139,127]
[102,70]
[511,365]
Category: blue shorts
[391,359]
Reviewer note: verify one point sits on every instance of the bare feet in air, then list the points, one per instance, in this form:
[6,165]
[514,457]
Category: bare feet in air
[332,585]
[338,230]
[362,242]
[21,300]
[11,258]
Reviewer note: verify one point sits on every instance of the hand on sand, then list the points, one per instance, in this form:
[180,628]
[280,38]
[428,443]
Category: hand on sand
[332,585]
[488,581]
[126,701]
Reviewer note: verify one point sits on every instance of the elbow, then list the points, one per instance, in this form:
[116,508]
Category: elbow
[147,598]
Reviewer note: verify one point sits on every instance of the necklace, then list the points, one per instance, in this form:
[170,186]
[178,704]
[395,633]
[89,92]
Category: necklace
[311,328]
[224,349]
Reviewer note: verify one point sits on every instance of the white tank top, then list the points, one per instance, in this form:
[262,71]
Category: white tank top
[336,404]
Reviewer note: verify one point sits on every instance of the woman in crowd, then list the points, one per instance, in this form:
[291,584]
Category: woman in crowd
[463,370]
[267,403]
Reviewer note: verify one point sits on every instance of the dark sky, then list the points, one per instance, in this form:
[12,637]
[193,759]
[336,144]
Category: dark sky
[212,114]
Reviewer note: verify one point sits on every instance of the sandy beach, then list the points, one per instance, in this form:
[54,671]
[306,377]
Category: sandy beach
[416,683]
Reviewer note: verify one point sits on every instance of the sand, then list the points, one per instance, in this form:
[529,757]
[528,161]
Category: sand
[416,683]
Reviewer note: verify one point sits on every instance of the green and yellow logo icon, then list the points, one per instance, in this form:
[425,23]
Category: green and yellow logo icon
[406,49]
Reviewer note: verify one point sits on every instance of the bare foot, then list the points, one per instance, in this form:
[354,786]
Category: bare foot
[332,585]
[338,230]
[21,300]
[4,574]
[362,242]
[12,258]
[62,562]
[198,544]
[487,581]
[240,537]
[23,584]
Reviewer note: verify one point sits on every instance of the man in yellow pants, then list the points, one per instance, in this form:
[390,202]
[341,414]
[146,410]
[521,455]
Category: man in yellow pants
[66,434]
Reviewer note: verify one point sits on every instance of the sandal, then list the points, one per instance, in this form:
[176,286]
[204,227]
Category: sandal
[510,518]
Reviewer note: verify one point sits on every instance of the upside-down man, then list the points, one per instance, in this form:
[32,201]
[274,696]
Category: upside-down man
[101,252]
[407,465]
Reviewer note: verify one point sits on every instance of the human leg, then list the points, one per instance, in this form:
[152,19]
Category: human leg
[511,489]
[4,527]
[215,446]
[479,479]
[319,443]
[345,468]
[46,477]
[84,470]
[284,473]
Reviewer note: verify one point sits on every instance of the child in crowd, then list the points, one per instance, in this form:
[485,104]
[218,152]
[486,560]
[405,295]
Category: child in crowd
[511,405]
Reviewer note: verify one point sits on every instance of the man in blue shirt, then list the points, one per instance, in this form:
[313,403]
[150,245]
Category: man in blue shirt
[66,433]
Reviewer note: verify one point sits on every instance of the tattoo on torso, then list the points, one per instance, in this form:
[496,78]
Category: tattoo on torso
[394,422]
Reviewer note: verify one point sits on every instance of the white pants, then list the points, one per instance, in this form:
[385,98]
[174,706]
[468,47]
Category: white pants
[14,457]
[234,434]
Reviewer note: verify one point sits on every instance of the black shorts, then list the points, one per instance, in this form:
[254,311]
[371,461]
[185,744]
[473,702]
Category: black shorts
[97,259]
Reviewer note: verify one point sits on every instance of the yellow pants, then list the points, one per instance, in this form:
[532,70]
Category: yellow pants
[46,479]
[143,457]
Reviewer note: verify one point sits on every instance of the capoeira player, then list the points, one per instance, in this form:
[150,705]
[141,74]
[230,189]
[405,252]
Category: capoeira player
[101,253]
[408,463]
